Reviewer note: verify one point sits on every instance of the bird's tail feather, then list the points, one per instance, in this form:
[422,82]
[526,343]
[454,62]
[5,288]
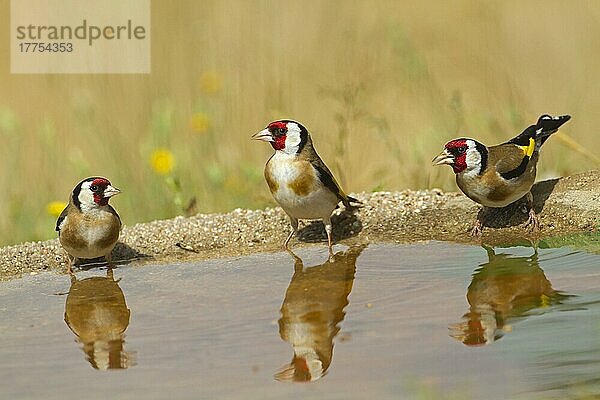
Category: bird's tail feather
[351,203]
[545,126]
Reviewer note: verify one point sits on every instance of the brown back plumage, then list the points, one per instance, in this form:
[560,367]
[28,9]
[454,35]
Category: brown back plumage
[507,157]
[309,153]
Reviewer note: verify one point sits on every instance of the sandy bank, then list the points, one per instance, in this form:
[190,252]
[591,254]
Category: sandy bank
[565,206]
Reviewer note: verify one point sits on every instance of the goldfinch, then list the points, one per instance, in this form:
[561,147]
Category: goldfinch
[500,175]
[89,227]
[503,289]
[97,313]
[312,312]
[298,179]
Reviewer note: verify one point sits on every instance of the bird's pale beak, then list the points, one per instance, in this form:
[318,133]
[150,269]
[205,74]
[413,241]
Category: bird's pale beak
[263,135]
[110,191]
[443,158]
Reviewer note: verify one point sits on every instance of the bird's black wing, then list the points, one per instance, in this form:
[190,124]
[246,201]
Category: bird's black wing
[60,219]
[523,138]
[327,178]
[513,162]
[530,140]
[114,212]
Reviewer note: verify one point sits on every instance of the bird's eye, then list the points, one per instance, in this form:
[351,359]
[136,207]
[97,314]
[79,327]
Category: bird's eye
[94,188]
[282,130]
[462,150]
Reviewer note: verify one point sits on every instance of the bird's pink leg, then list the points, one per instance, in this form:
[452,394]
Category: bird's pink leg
[328,229]
[533,222]
[72,261]
[477,229]
[294,223]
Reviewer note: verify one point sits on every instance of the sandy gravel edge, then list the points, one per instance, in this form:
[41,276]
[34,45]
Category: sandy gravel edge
[565,206]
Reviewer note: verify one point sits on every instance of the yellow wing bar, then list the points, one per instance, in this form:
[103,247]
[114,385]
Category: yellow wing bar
[528,150]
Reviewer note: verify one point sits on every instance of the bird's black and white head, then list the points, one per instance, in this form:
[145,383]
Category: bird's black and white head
[284,135]
[464,156]
[93,192]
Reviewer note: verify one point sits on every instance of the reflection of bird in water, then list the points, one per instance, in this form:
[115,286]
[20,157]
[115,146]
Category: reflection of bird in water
[311,313]
[502,289]
[97,314]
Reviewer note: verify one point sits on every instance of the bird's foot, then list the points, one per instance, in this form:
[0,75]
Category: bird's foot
[330,257]
[71,263]
[533,222]
[477,230]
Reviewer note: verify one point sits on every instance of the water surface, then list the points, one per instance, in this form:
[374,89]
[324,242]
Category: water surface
[416,321]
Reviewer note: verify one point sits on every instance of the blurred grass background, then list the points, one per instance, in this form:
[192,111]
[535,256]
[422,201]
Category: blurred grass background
[381,86]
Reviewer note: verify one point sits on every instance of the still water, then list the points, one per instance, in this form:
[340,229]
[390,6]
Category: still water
[423,321]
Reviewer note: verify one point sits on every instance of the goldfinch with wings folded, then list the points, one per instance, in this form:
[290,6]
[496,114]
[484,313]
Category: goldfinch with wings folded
[298,179]
[89,227]
[500,175]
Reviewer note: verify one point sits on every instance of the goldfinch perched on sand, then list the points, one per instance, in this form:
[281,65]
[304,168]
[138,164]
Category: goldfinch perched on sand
[500,175]
[89,227]
[297,177]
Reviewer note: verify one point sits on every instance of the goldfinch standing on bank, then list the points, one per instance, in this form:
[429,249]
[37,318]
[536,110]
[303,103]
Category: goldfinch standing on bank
[89,227]
[500,175]
[297,177]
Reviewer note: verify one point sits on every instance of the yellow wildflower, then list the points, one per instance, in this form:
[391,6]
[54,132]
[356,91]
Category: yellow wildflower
[211,82]
[200,122]
[162,161]
[54,208]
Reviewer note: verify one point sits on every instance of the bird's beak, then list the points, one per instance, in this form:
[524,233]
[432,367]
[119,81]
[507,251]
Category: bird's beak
[110,191]
[443,158]
[263,135]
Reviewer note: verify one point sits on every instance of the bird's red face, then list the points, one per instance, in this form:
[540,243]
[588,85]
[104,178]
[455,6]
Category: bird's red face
[454,154]
[93,191]
[278,130]
[458,148]
[98,187]
[284,135]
